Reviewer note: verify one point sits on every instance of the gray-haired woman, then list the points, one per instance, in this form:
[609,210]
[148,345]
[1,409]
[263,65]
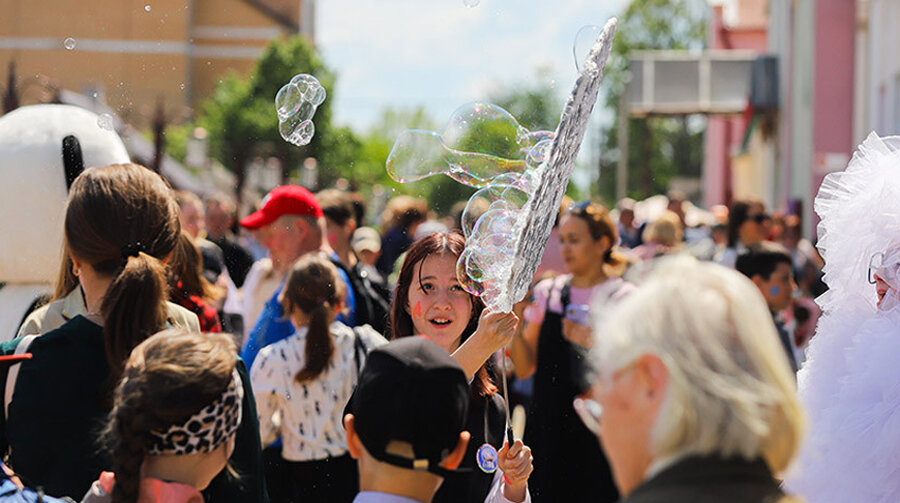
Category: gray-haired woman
[698,401]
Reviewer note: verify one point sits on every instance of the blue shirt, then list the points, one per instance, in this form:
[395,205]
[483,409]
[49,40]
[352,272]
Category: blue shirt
[272,326]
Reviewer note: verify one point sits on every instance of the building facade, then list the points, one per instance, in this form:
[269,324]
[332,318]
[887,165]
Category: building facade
[133,54]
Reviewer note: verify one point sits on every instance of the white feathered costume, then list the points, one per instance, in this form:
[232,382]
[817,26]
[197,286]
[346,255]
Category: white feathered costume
[850,383]
[34,179]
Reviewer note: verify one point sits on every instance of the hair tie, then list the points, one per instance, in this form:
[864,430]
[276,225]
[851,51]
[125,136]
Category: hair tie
[132,250]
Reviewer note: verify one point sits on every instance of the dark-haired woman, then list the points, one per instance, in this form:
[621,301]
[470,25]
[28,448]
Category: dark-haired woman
[429,301]
[303,382]
[189,288]
[121,224]
[552,347]
[748,225]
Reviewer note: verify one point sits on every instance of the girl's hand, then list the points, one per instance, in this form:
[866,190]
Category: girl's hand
[576,333]
[496,329]
[516,464]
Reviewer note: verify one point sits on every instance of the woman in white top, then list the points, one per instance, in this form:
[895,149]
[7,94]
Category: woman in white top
[303,382]
[553,348]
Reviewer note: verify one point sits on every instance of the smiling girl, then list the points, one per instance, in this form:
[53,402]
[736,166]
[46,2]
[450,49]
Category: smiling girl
[429,301]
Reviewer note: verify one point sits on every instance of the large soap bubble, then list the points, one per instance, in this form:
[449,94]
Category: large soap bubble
[295,104]
[522,177]
[478,143]
[484,146]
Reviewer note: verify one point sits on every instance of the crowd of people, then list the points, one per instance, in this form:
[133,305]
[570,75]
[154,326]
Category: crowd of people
[298,354]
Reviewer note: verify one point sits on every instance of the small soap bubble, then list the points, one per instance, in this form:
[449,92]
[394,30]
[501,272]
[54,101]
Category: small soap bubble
[147,8]
[471,3]
[69,43]
[105,121]
[295,105]
[584,40]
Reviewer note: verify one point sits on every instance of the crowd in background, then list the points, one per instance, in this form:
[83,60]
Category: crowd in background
[307,290]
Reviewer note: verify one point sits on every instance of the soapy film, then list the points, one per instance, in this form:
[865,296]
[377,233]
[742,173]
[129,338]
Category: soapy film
[296,103]
[522,177]
[482,146]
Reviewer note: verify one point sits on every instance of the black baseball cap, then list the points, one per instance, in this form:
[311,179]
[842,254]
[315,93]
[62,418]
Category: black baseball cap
[411,390]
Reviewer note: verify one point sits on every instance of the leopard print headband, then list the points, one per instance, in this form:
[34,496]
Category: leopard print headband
[207,429]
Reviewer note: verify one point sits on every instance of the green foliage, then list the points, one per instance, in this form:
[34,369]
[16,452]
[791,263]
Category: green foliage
[241,120]
[659,148]
[536,108]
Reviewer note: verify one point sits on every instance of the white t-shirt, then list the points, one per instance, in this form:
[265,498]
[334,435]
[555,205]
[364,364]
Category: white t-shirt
[308,416]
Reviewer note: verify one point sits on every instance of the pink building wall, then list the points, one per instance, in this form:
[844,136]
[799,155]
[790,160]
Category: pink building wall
[724,134]
[834,82]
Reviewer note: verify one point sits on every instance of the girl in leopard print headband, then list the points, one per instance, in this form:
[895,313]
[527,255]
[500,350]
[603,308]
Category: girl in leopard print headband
[172,427]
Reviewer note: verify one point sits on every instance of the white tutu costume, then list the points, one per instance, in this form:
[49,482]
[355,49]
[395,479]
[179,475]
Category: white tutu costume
[850,383]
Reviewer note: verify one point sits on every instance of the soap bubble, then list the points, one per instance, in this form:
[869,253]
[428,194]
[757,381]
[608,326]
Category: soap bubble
[69,43]
[471,3]
[478,143]
[295,104]
[105,121]
[483,146]
[584,40]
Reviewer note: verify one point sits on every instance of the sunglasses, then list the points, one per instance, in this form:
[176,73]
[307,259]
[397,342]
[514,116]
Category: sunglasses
[589,411]
[760,218]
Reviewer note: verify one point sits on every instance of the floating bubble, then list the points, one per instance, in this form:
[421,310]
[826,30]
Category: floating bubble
[295,104]
[69,43]
[479,142]
[584,40]
[105,121]
[147,8]
[471,3]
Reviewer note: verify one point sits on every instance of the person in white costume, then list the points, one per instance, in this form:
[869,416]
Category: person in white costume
[42,149]
[850,384]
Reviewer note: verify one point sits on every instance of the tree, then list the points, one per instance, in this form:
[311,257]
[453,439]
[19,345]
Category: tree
[659,147]
[242,123]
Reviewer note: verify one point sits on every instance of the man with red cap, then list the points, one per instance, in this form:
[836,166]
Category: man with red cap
[290,224]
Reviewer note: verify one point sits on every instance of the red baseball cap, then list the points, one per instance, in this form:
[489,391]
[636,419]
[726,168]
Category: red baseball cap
[283,200]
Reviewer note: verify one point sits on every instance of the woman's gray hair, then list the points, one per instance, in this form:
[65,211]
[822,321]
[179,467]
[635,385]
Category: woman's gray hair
[730,388]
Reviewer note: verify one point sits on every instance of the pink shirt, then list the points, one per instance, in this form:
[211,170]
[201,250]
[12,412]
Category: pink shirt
[611,292]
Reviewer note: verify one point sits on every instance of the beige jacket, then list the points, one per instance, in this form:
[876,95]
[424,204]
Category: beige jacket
[56,313]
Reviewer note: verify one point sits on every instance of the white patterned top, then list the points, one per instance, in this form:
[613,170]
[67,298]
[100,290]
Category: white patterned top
[308,416]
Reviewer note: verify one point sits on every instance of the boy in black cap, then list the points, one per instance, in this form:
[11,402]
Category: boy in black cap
[405,421]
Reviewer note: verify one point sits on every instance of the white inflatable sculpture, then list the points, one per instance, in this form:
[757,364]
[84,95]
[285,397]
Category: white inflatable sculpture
[42,149]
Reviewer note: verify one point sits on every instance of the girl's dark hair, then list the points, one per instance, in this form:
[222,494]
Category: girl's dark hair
[122,220]
[186,266]
[439,243]
[168,378]
[601,225]
[313,287]
[737,215]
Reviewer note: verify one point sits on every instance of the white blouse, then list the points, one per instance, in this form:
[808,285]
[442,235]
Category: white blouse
[308,416]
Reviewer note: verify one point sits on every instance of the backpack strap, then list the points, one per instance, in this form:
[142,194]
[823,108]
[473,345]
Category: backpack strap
[13,373]
[358,347]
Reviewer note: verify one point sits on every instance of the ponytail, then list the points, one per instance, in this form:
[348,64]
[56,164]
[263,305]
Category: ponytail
[313,287]
[319,346]
[128,432]
[133,308]
[122,220]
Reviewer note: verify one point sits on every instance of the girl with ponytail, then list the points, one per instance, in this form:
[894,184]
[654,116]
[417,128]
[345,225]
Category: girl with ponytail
[553,346]
[303,382]
[173,423]
[121,225]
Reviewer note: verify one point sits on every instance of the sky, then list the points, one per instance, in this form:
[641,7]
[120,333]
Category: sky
[441,53]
